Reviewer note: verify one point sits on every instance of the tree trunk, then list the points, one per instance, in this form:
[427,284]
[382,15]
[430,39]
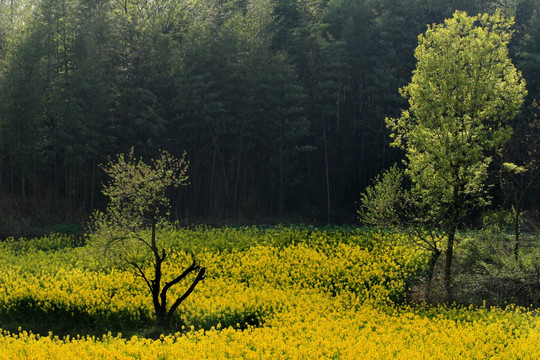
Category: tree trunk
[23,184]
[458,201]
[93,184]
[34,177]
[516,232]
[327,177]
[159,295]
[281,197]
[56,181]
[211,204]
[1,163]
[11,173]
[156,283]
[236,202]
[448,263]
[431,270]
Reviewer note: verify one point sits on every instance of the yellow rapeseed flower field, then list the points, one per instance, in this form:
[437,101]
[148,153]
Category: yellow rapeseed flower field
[269,294]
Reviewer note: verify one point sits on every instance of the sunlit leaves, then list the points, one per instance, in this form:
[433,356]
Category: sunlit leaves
[138,201]
[462,92]
[137,191]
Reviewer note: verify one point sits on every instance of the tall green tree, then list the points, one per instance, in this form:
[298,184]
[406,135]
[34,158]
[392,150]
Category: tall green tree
[463,91]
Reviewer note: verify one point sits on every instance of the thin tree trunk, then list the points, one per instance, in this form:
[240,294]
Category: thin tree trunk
[55,181]
[1,163]
[448,263]
[457,206]
[67,185]
[93,184]
[11,175]
[327,178]
[83,187]
[517,231]
[156,282]
[23,184]
[211,206]
[281,198]
[431,270]
[34,176]
[225,178]
[236,184]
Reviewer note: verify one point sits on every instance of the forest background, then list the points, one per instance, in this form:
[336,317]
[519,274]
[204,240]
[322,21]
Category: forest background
[280,104]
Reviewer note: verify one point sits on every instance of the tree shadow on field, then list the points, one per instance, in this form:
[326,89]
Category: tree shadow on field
[207,323]
[61,320]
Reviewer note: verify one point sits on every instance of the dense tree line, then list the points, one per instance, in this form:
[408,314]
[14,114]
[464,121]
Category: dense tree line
[280,104]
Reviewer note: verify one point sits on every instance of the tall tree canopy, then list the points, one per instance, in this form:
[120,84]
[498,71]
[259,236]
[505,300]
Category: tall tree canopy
[462,93]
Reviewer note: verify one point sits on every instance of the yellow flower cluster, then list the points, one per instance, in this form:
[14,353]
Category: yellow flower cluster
[274,294]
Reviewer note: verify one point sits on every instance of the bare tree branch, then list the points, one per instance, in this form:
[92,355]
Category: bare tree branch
[141,274]
[193,267]
[200,276]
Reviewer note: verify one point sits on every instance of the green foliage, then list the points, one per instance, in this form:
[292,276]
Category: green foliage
[45,244]
[497,221]
[488,271]
[383,202]
[138,202]
[138,191]
[463,91]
